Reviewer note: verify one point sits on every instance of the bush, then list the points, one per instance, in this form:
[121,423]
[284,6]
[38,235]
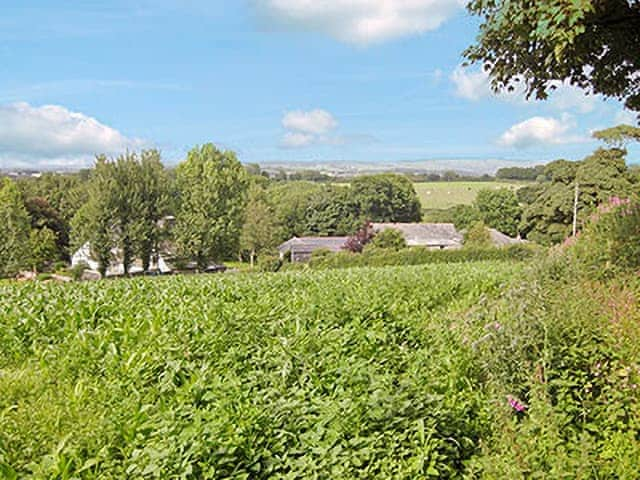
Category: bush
[610,242]
[77,270]
[269,263]
[478,236]
[389,238]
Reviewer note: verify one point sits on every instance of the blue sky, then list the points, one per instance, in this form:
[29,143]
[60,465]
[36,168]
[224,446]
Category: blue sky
[274,80]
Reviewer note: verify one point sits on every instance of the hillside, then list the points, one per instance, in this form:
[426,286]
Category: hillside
[441,195]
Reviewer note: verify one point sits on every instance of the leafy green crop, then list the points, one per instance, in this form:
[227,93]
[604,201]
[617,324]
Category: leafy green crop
[331,374]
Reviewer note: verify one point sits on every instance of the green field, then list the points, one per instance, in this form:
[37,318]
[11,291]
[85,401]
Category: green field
[334,374]
[440,195]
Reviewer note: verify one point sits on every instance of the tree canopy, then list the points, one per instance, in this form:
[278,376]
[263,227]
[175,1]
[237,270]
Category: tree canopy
[14,229]
[499,209]
[386,198]
[593,44]
[618,136]
[213,186]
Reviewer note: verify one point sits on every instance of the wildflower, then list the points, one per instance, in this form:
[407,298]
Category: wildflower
[515,404]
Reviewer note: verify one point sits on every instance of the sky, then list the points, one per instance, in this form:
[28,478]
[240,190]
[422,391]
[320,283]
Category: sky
[276,81]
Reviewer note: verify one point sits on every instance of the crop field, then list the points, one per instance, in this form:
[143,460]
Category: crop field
[330,375]
[440,195]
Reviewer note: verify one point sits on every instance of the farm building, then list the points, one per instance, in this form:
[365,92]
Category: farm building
[429,235]
[301,248]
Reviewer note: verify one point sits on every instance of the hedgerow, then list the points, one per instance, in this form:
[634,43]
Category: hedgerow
[376,257]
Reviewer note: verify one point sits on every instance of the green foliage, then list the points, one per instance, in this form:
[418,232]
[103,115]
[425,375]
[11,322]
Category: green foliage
[419,256]
[14,230]
[618,136]
[610,242]
[566,347]
[291,201]
[333,211]
[212,186]
[290,375]
[478,236]
[153,190]
[499,209]
[386,198]
[539,44]
[520,173]
[43,215]
[42,247]
[259,230]
[127,196]
[78,269]
[602,175]
[389,238]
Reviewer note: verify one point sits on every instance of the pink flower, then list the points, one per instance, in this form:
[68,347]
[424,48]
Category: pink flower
[515,404]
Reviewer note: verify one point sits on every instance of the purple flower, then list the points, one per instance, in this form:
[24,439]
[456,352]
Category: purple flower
[515,404]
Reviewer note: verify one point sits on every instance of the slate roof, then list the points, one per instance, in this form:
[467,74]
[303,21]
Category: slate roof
[425,234]
[500,239]
[309,244]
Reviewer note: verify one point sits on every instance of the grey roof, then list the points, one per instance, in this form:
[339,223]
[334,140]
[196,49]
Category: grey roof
[309,244]
[500,239]
[425,234]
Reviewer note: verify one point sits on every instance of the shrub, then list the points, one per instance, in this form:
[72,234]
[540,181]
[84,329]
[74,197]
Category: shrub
[389,238]
[610,242]
[269,263]
[77,270]
[478,236]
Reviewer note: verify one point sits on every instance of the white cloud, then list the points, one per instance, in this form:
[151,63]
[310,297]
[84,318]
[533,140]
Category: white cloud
[569,97]
[305,128]
[470,84]
[360,22]
[297,140]
[474,84]
[627,117]
[540,131]
[53,135]
[316,121]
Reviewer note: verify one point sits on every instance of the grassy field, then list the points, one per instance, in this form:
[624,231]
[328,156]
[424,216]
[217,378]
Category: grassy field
[333,374]
[440,195]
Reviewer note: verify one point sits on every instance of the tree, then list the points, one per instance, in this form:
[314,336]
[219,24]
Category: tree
[42,246]
[332,211]
[386,198]
[127,197]
[259,231]
[618,136]
[464,216]
[154,197]
[94,221]
[592,44]
[42,216]
[499,209]
[52,200]
[14,230]
[212,185]
[600,176]
[291,202]
[389,238]
[520,173]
